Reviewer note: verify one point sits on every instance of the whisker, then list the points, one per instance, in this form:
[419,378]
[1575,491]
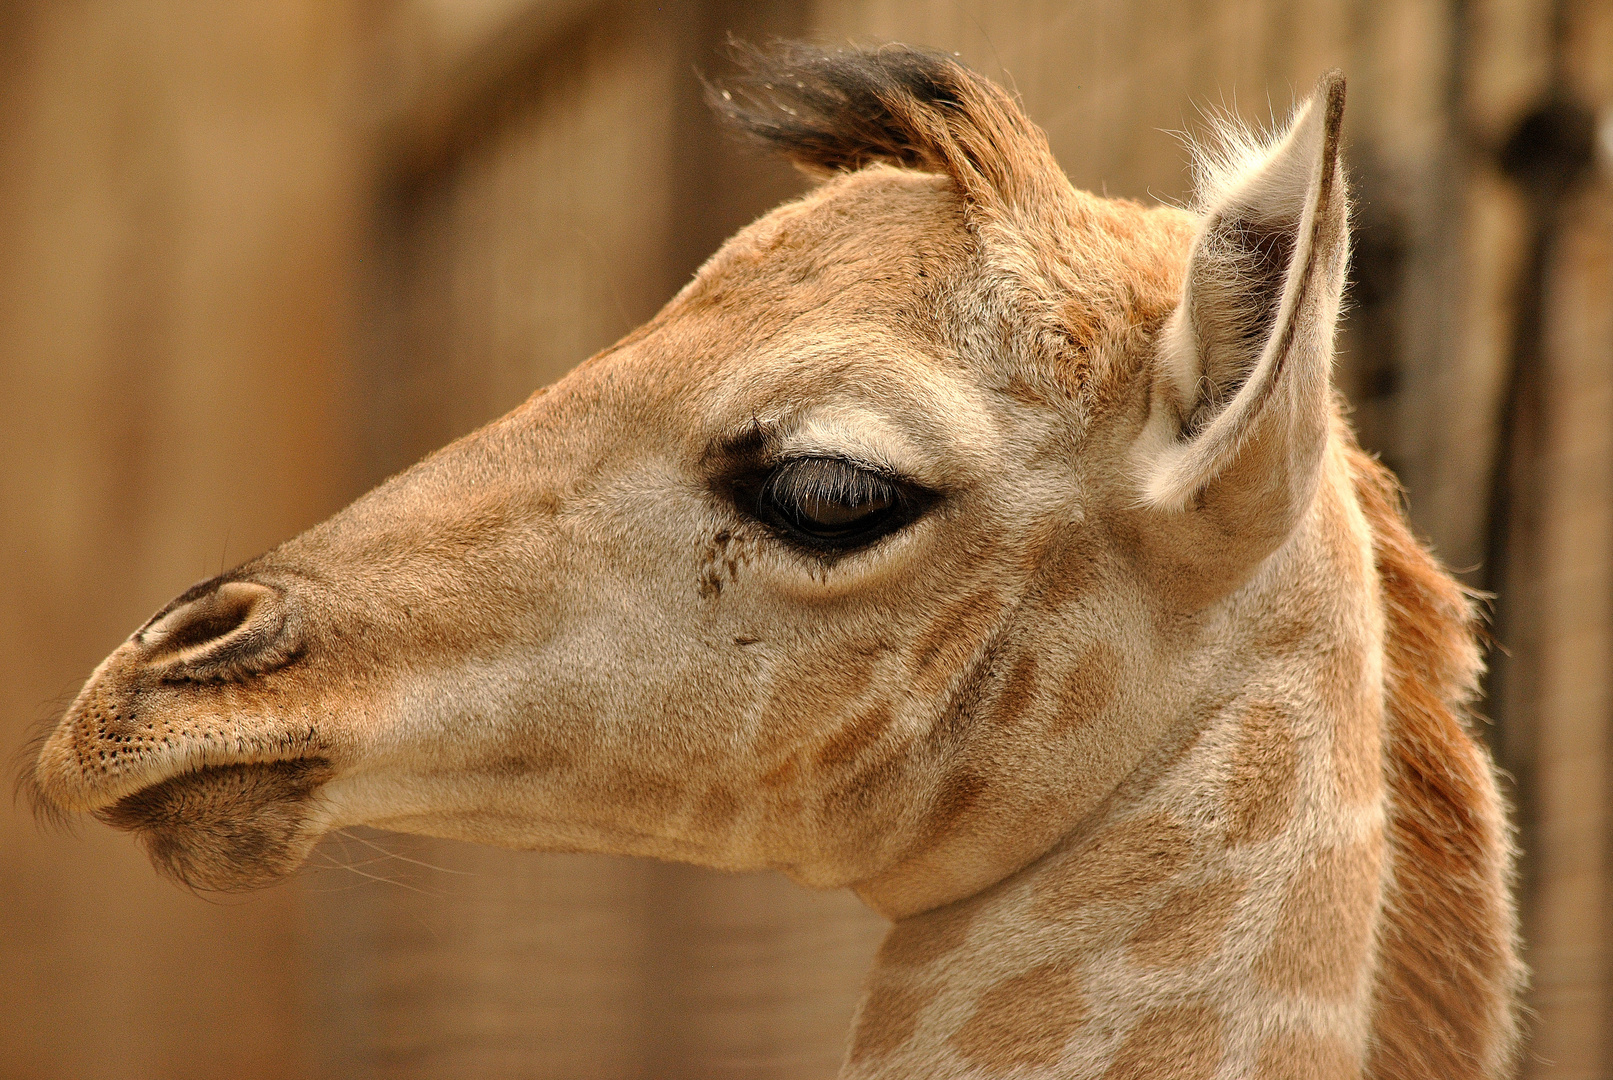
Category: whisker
[390,881]
[402,858]
[345,863]
[360,862]
[435,894]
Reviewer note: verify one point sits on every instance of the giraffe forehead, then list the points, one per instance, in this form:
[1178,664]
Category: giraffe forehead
[872,301]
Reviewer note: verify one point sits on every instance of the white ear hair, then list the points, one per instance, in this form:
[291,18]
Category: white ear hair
[1245,359]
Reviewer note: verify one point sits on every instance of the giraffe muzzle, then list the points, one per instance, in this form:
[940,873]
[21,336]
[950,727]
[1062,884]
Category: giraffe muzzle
[170,700]
[176,737]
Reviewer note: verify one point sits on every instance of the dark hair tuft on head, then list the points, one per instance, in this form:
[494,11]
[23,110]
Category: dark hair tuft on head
[840,110]
[837,110]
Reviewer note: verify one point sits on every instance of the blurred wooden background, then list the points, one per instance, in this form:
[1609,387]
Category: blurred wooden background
[258,255]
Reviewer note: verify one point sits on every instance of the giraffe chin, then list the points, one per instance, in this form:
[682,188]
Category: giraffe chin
[227,828]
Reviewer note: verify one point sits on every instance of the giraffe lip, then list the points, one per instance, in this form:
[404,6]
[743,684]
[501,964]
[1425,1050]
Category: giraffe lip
[227,827]
[216,791]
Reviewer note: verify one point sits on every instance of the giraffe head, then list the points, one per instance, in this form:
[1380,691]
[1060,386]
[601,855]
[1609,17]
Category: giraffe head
[875,557]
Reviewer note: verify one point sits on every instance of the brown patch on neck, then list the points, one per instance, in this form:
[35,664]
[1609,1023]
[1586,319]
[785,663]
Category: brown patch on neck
[1182,1042]
[1125,863]
[921,940]
[1263,787]
[1024,1020]
[1324,932]
[1312,1057]
[891,1008]
[1448,974]
[1282,635]
[1190,927]
[889,1017]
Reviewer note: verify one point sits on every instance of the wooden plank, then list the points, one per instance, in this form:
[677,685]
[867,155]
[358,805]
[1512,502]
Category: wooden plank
[177,212]
[460,68]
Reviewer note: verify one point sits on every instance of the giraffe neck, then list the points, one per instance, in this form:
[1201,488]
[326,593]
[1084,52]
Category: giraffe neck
[1216,917]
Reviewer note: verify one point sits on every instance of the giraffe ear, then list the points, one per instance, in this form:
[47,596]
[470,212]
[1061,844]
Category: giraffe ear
[1240,408]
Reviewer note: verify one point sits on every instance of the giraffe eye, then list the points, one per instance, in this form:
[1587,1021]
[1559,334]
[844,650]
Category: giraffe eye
[828,503]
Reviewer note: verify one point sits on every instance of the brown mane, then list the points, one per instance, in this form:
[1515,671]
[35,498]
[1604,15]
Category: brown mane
[1449,939]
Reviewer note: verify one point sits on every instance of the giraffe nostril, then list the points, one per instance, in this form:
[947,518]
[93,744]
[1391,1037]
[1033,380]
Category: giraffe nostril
[238,621]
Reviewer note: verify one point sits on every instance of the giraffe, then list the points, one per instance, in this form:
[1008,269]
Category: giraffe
[990,548]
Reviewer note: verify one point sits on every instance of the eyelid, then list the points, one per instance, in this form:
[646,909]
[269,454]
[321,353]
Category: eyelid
[828,437]
[842,456]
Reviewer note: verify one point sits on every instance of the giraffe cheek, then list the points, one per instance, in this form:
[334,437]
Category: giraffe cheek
[956,636]
[1088,689]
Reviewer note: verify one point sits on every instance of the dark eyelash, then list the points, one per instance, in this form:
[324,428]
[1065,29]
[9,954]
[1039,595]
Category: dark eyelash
[830,479]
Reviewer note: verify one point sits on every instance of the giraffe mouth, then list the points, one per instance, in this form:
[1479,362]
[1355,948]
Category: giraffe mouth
[227,827]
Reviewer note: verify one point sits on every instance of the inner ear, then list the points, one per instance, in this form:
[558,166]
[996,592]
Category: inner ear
[1240,268]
